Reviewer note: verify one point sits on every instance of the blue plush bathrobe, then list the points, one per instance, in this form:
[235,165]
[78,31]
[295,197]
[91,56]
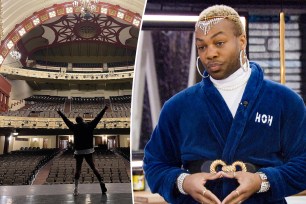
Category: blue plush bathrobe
[269,130]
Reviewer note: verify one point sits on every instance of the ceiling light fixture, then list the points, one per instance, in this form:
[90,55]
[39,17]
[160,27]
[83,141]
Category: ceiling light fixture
[15,133]
[15,54]
[87,7]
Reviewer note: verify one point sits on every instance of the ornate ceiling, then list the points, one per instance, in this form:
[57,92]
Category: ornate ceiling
[54,31]
[60,34]
[71,38]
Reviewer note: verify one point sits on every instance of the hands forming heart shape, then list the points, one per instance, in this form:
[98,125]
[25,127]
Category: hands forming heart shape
[249,183]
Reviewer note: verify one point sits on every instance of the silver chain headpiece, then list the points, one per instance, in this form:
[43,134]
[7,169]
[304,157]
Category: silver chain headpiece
[207,24]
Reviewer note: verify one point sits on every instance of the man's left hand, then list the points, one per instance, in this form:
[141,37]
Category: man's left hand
[249,184]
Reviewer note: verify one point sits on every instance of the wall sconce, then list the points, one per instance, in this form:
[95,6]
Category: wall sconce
[14,133]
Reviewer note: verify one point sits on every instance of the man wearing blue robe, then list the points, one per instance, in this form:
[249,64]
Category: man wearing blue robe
[232,115]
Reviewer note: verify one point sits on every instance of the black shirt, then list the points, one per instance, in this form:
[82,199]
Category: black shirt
[83,132]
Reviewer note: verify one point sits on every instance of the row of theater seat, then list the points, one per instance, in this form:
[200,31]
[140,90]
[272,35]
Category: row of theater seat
[124,151]
[20,167]
[46,106]
[120,103]
[44,98]
[121,114]
[111,167]
[29,148]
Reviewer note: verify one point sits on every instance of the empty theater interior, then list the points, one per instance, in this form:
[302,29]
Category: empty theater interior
[171,66]
[77,57]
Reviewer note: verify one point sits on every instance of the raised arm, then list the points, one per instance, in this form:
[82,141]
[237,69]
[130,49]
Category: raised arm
[95,121]
[65,119]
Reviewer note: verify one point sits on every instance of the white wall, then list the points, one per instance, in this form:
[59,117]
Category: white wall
[52,142]
[124,140]
[18,144]
[2,139]
[20,90]
[125,92]
[11,143]
[37,141]
[34,141]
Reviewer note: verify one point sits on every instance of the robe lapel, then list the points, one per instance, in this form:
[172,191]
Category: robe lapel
[219,114]
[242,115]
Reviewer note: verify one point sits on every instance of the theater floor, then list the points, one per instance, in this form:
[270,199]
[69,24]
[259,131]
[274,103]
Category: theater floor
[62,193]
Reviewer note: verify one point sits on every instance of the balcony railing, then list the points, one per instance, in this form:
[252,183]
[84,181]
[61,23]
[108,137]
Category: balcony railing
[65,75]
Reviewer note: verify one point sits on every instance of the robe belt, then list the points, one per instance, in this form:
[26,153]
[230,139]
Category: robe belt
[219,165]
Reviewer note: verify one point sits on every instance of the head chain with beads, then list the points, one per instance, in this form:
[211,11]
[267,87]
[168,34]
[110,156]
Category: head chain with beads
[206,24]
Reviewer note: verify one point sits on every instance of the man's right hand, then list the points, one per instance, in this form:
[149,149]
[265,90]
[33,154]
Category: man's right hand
[194,185]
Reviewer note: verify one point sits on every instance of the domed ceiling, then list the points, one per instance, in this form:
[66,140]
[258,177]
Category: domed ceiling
[75,39]
[58,34]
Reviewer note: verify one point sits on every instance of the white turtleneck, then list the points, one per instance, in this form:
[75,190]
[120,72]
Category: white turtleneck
[232,88]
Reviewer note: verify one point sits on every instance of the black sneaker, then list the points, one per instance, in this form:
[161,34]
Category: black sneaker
[103,188]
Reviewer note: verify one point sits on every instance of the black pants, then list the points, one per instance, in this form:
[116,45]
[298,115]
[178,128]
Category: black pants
[88,158]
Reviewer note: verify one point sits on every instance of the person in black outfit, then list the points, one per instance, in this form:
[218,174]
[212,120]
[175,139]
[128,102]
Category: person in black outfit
[83,145]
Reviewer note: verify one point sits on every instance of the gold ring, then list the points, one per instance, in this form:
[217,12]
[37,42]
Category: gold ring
[204,191]
[238,194]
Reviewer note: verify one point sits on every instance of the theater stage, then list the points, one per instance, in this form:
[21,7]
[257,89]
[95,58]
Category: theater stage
[62,194]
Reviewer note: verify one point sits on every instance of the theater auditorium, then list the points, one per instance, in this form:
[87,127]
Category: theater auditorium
[77,57]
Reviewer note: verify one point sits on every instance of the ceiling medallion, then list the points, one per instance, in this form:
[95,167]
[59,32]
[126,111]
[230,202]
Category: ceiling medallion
[86,30]
[88,7]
